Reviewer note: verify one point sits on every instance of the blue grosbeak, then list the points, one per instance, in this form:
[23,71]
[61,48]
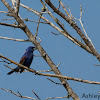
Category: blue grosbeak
[26,60]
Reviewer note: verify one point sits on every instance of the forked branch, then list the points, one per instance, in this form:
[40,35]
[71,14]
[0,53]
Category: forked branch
[18,95]
[74,25]
[50,75]
[40,49]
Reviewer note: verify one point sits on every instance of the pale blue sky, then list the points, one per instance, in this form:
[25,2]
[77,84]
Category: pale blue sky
[75,62]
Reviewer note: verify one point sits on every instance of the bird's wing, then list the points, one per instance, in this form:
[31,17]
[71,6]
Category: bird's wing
[22,61]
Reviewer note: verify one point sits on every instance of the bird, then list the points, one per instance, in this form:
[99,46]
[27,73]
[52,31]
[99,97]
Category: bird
[26,60]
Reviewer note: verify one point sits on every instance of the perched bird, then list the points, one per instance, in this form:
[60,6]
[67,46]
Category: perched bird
[26,60]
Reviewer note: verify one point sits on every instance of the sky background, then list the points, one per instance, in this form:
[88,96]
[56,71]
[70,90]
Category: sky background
[75,62]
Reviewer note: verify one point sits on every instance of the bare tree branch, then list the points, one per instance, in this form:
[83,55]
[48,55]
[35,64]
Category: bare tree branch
[65,33]
[41,50]
[83,26]
[38,26]
[13,4]
[51,75]
[56,98]
[33,39]
[26,19]
[59,5]
[54,82]
[50,23]
[8,67]
[43,10]
[5,61]
[11,25]
[3,12]
[65,10]
[20,40]
[61,31]
[17,7]
[36,95]
[78,30]
[45,71]
[26,71]
[19,94]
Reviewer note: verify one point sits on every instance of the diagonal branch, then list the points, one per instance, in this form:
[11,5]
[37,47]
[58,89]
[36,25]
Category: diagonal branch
[65,9]
[36,95]
[54,82]
[40,49]
[74,40]
[83,26]
[17,7]
[51,24]
[50,75]
[65,33]
[78,30]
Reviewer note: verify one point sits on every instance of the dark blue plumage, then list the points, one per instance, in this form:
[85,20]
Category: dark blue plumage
[26,60]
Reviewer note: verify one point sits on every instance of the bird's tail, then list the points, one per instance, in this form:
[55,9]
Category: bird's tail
[14,70]
[10,72]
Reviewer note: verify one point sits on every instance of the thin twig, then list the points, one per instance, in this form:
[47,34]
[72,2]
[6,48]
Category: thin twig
[43,10]
[55,33]
[39,39]
[54,82]
[65,10]
[56,98]
[37,26]
[20,40]
[13,4]
[96,65]
[19,94]
[58,65]
[3,12]
[17,7]
[36,95]
[10,91]
[59,5]
[69,10]
[44,71]
[8,19]
[37,55]
[83,26]
[11,25]
[8,67]
[5,61]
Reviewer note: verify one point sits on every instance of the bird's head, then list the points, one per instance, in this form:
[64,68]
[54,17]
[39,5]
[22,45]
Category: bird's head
[30,49]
